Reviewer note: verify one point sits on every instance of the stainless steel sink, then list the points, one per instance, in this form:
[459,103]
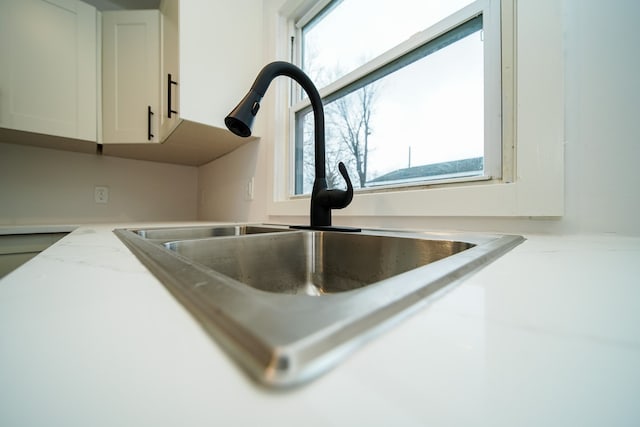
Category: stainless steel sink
[289,304]
[315,262]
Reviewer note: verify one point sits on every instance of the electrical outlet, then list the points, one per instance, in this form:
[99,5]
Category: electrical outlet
[101,194]
[248,195]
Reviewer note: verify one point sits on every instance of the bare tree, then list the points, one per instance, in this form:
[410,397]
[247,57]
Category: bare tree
[351,117]
[334,153]
[348,127]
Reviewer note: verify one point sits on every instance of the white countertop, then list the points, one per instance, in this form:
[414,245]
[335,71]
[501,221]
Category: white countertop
[549,334]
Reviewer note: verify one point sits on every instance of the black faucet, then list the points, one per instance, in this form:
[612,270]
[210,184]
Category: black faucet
[240,121]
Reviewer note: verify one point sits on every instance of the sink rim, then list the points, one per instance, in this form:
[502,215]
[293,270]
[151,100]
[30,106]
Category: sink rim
[260,335]
[149,232]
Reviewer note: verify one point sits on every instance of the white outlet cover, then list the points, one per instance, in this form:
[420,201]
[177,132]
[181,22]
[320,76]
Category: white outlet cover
[248,195]
[101,194]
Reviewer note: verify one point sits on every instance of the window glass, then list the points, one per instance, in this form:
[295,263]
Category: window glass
[425,120]
[349,33]
[404,88]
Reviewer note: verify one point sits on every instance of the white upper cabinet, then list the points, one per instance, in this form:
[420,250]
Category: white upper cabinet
[128,77]
[220,55]
[193,60]
[48,67]
[210,53]
[131,76]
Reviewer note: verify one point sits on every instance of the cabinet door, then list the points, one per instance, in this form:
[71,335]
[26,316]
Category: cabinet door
[170,75]
[130,76]
[48,67]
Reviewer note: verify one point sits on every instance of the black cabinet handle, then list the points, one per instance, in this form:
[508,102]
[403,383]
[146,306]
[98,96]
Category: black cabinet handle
[149,114]
[169,83]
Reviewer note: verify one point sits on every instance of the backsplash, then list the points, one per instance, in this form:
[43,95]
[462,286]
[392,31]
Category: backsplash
[43,186]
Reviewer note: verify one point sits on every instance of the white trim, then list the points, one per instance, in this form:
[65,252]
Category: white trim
[492,90]
[312,12]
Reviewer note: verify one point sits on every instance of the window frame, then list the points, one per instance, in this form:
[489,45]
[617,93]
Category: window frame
[447,30]
[532,183]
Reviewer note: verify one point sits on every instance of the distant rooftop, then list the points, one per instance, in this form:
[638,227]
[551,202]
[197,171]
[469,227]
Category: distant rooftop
[453,168]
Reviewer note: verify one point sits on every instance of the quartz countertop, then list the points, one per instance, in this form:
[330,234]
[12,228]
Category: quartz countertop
[546,335]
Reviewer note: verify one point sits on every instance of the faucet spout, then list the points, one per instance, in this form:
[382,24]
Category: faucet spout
[240,121]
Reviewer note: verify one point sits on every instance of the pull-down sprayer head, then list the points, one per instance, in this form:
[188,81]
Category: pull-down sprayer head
[240,120]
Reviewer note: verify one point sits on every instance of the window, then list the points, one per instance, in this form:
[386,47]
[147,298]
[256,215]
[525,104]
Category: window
[523,58]
[411,90]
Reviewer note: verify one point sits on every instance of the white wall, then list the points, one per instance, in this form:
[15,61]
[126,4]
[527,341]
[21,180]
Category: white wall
[223,186]
[603,115]
[602,134]
[43,186]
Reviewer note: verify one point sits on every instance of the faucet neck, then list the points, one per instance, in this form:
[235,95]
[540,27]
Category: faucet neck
[281,68]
